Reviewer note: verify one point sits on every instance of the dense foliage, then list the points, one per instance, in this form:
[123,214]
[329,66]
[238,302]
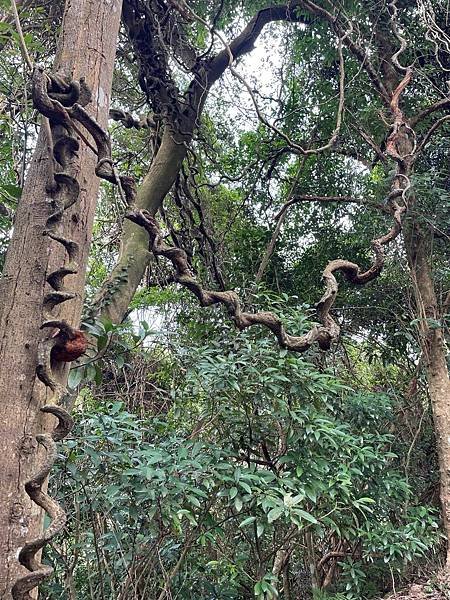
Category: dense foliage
[256,451]
[207,462]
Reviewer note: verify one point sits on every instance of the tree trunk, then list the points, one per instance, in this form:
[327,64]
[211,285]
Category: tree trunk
[86,49]
[418,249]
[120,287]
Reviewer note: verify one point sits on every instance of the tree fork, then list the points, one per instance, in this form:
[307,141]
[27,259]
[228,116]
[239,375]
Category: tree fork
[86,49]
[120,286]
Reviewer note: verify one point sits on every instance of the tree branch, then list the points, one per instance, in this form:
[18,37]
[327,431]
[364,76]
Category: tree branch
[293,146]
[323,199]
[130,122]
[441,105]
[429,133]
[358,52]
[5,211]
[243,43]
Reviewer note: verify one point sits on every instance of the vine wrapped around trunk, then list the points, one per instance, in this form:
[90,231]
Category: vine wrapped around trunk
[50,94]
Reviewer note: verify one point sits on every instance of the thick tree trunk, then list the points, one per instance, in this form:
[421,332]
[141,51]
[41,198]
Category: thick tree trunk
[418,248]
[86,49]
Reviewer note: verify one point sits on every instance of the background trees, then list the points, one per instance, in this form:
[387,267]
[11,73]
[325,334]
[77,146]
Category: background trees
[224,464]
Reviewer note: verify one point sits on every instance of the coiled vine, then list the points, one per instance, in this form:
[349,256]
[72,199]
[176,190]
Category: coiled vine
[61,101]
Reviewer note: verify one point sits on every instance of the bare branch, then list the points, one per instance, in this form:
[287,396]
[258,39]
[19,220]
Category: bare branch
[430,132]
[294,147]
[329,556]
[441,105]
[129,122]
[5,211]
[244,42]
[323,199]
[280,217]
[271,246]
[358,52]
[375,147]
[22,44]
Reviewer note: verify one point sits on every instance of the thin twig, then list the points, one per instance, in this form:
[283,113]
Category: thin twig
[22,44]
[430,132]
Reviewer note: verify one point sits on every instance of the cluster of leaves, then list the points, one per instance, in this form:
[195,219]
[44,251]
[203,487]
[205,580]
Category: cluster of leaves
[259,451]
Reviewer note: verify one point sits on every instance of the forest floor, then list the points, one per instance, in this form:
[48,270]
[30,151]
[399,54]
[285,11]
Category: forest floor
[419,592]
[439,591]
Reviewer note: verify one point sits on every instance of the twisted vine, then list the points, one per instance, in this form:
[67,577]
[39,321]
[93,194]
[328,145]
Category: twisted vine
[398,148]
[50,95]
[33,487]
[322,334]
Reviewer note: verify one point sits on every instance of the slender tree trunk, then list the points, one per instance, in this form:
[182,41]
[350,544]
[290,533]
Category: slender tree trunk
[120,287]
[418,249]
[86,49]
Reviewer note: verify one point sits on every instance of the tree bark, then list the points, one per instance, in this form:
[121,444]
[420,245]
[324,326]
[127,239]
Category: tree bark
[418,250]
[119,288]
[86,49]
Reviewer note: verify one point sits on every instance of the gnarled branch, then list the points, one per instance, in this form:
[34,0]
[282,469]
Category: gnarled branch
[323,334]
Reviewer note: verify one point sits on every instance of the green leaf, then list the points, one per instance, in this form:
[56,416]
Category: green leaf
[233,492]
[75,377]
[247,521]
[101,342]
[274,514]
[98,375]
[245,487]
[305,515]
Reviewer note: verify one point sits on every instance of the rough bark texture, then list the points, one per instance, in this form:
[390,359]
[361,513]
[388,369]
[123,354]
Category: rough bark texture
[418,249]
[86,49]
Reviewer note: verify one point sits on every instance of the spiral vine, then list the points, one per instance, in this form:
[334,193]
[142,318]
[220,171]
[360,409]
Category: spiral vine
[50,95]
[61,101]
